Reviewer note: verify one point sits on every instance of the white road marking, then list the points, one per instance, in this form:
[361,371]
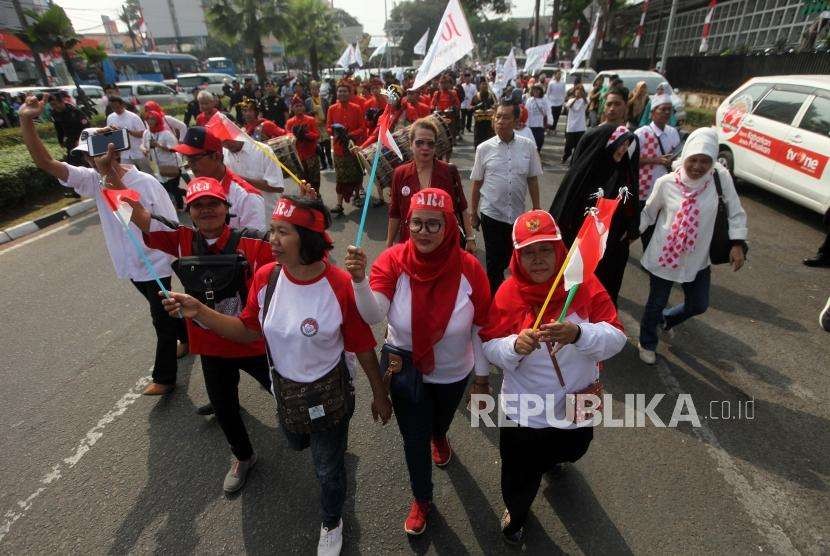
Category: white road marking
[47,233]
[759,506]
[84,445]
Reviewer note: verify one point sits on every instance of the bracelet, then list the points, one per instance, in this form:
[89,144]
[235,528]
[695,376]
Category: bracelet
[578,334]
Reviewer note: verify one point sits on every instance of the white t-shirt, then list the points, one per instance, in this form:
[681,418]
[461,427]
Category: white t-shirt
[537,110]
[504,169]
[469,92]
[250,162]
[131,122]
[165,138]
[576,115]
[178,127]
[247,208]
[127,263]
[662,206]
[556,92]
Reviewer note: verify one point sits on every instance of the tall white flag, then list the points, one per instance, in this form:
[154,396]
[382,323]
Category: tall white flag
[380,50]
[504,73]
[452,42]
[346,58]
[421,46]
[537,56]
[356,57]
[585,52]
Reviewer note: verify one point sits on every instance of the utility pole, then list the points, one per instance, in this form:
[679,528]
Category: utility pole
[536,23]
[24,25]
[175,21]
[665,56]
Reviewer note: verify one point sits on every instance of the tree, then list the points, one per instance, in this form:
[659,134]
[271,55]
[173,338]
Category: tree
[248,22]
[50,30]
[313,30]
[94,57]
[129,15]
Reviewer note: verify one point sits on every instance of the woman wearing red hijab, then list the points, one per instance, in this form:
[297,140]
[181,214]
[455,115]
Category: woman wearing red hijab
[589,334]
[156,144]
[435,297]
[178,127]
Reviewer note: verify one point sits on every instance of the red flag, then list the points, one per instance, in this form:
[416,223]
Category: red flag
[707,25]
[385,135]
[114,199]
[224,129]
[589,246]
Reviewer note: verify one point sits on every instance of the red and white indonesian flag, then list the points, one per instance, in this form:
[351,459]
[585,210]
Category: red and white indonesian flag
[452,42]
[707,26]
[115,201]
[641,28]
[589,246]
[385,134]
[223,128]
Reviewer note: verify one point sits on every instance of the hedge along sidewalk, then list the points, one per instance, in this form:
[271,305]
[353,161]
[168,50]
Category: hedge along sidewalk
[32,226]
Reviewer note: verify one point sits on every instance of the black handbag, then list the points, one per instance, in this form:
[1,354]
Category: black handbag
[400,374]
[721,245]
[214,278]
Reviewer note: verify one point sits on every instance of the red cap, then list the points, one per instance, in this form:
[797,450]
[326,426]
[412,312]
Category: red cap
[204,187]
[534,226]
[198,140]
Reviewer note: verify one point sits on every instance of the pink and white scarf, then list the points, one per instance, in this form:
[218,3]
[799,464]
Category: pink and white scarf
[648,149]
[683,234]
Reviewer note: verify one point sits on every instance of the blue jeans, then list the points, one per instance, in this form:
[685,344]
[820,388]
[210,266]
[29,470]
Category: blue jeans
[328,449]
[420,422]
[696,301]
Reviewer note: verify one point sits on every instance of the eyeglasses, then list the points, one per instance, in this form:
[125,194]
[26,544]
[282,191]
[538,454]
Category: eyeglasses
[425,143]
[191,158]
[433,226]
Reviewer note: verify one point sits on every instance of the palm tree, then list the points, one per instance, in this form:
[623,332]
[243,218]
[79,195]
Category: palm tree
[129,15]
[313,29]
[50,30]
[94,57]
[248,22]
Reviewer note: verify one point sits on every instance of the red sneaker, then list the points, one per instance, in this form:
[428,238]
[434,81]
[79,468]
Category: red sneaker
[416,521]
[441,451]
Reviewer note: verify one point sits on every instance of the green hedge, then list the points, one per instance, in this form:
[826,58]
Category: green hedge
[699,117]
[20,179]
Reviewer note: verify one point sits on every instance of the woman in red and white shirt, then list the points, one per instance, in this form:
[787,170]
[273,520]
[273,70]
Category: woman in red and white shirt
[311,320]
[435,297]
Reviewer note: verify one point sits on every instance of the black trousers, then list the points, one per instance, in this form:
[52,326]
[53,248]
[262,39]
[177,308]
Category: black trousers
[324,152]
[171,185]
[526,454]
[571,140]
[539,137]
[222,385]
[168,330]
[498,248]
[555,111]
[467,119]
[611,268]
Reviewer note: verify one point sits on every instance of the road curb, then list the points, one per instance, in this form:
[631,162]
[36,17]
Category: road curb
[32,226]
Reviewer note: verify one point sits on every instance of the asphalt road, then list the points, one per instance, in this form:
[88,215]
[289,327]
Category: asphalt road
[88,466]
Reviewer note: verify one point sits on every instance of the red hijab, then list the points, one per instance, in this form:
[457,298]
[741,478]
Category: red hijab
[433,278]
[159,125]
[518,300]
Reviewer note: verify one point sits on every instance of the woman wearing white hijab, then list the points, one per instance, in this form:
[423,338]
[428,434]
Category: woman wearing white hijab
[683,205]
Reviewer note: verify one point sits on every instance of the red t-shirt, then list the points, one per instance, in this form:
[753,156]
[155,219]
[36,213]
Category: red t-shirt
[415,111]
[306,148]
[178,241]
[444,100]
[268,129]
[203,117]
[405,184]
[351,117]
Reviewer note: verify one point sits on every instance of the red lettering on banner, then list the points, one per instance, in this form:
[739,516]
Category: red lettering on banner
[799,159]
[449,29]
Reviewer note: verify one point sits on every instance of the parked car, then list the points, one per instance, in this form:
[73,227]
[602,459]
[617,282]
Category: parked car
[630,78]
[139,92]
[775,133]
[211,81]
[93,92]
[173,84]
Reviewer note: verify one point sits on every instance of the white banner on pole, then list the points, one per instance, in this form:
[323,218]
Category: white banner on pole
[452,42]
[380,50]
[585,52]
[346,58]
[356,56]
[537,56]
[421,46]
[507,71]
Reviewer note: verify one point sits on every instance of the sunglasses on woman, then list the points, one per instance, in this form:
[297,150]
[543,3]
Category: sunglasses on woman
[433,226]
[425,143]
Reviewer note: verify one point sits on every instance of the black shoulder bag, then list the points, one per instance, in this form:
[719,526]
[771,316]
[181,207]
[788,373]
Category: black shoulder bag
[721,244]
[215,278]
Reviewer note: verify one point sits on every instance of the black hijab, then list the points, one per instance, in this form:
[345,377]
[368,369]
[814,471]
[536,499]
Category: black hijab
[593,167]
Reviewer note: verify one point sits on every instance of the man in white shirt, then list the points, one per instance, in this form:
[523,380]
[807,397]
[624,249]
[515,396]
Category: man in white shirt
[658,143]
[506,168]
[127,262]
[470,91]
[254,166]
[555,96]
[121,118]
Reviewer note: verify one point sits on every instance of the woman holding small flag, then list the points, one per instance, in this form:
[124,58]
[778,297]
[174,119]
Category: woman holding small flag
[435,297]
[304,308]
[683,206]
[556,358]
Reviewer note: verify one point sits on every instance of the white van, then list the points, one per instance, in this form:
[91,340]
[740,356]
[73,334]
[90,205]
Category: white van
[213,82]
[775,133]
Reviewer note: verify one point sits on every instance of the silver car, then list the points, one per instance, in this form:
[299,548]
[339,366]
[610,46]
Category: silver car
[139,92]
[630,78]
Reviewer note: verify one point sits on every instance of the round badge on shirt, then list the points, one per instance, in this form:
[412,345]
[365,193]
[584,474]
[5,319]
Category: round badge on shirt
[405,191]
[309,327]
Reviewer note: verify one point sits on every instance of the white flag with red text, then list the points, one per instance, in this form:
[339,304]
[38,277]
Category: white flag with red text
[452,42]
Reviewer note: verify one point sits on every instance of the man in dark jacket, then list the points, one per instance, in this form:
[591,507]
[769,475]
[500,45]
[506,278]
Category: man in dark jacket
[69,121]
[273,105]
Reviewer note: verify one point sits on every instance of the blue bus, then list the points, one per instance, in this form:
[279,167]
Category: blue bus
[220,65]
[148,66]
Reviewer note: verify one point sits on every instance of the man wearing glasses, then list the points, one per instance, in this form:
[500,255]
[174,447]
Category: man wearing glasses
[506,169]
[203,153]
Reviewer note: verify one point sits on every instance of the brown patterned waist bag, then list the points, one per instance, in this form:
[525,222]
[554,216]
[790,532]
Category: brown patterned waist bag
[306,407]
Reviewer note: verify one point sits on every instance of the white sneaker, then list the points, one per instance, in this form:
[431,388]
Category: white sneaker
[331,540]
[647,356]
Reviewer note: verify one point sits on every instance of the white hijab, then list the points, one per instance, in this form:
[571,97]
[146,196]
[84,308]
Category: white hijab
[703,140]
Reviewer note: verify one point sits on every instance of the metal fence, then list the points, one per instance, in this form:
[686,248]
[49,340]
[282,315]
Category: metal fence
[725,73]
